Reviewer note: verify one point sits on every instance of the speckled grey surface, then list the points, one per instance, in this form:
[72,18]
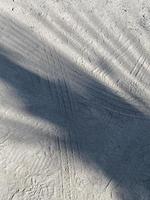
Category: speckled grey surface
[74,100]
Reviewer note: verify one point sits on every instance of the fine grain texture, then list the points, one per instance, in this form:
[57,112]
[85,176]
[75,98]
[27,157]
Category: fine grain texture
[74,100]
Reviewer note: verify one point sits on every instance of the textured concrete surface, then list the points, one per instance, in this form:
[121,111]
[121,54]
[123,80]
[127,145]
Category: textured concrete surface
[74,100]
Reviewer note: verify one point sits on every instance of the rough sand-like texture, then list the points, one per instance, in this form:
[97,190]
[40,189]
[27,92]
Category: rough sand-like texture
[74,100]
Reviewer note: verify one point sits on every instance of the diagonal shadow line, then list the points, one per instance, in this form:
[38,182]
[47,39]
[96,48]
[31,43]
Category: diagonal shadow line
[113,147]
[105,65]
[92,19]
[76,37]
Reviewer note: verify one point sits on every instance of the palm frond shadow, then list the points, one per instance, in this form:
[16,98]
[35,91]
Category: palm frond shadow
[106,130]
